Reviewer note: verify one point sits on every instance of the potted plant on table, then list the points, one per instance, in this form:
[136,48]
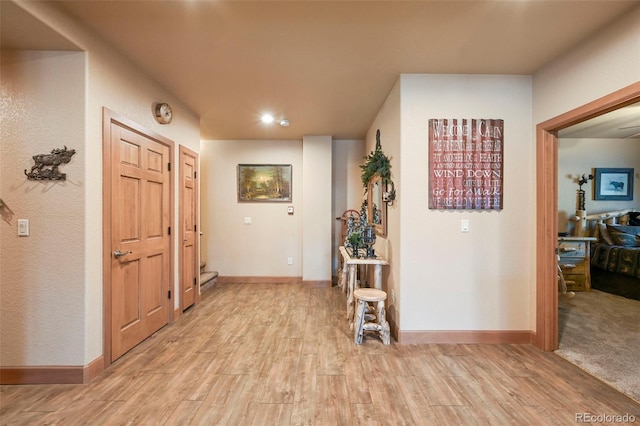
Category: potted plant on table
[355,240]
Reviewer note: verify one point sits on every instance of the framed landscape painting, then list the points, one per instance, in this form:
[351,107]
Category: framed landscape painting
[260,183]
[614,184]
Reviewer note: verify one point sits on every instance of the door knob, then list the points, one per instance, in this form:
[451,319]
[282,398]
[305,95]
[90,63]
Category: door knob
[119,253]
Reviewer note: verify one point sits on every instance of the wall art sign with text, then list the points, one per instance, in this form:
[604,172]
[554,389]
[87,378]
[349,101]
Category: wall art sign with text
[466,164]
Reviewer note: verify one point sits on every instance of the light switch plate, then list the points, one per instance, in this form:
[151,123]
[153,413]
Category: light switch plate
[290,210]
[23,227]
[464,225]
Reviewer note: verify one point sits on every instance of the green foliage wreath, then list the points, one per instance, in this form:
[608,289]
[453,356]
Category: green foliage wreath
[378,164]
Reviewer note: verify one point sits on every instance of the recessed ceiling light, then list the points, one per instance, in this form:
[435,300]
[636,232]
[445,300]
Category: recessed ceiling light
[284,122]
[267,118]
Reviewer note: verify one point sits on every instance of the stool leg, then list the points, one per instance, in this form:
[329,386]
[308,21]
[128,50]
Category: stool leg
[359,323]
[385,331]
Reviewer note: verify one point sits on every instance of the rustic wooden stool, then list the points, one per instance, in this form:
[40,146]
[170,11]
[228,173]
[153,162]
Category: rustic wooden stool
[362,320]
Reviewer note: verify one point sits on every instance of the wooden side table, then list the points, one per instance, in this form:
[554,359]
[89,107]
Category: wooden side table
[575,262]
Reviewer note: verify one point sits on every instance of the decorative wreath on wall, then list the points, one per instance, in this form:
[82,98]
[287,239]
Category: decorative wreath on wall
[378,164]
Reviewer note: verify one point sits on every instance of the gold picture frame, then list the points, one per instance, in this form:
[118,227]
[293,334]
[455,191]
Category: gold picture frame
[377,205]
[264,183]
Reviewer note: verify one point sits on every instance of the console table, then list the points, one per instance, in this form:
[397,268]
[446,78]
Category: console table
[349,275]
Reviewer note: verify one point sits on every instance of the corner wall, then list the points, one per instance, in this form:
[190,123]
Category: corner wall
[388,121]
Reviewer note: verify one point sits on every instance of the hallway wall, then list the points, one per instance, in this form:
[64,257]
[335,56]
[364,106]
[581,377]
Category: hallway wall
[42,275]
[90,80]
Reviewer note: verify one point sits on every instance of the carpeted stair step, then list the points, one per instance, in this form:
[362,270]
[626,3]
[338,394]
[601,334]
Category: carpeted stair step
[207,276]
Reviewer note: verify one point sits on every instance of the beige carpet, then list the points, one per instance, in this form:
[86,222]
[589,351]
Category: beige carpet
[600,333]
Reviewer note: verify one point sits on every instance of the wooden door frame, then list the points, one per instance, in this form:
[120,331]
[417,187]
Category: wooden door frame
[108,118]
[196,187]
[547,206]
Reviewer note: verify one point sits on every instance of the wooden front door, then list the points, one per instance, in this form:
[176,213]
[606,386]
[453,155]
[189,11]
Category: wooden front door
[188,222]
[140,246]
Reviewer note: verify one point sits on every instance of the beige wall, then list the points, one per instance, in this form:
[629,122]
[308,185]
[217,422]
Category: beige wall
[347,190]
[581,156]
[42,276]
[261,248]
[388,121]
[316,208]
[478,280]
[105,79]
[598,66]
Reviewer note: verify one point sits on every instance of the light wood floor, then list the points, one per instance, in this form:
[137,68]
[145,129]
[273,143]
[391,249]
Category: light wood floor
[281,354]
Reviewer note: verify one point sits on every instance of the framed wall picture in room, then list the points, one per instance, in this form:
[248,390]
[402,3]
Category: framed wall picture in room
[259,183]
[614,184]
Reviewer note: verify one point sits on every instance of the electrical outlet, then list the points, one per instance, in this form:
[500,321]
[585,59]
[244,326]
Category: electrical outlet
[289,260]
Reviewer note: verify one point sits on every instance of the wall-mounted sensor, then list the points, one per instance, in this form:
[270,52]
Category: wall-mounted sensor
[290,210]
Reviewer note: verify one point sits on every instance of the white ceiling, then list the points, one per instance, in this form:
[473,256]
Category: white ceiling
[327,66]
[623,123]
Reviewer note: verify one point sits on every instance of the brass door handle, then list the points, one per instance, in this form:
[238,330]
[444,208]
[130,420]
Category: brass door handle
[119,253]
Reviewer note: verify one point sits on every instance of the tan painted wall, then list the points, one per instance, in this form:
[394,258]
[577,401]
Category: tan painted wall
[388,121]
[106,79]
[598,66]
[42,275]
[347,190]
[478,280]
[316,208]
[261,248]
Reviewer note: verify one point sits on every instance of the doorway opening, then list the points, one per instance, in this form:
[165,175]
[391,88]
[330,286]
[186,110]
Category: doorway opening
[547,206]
